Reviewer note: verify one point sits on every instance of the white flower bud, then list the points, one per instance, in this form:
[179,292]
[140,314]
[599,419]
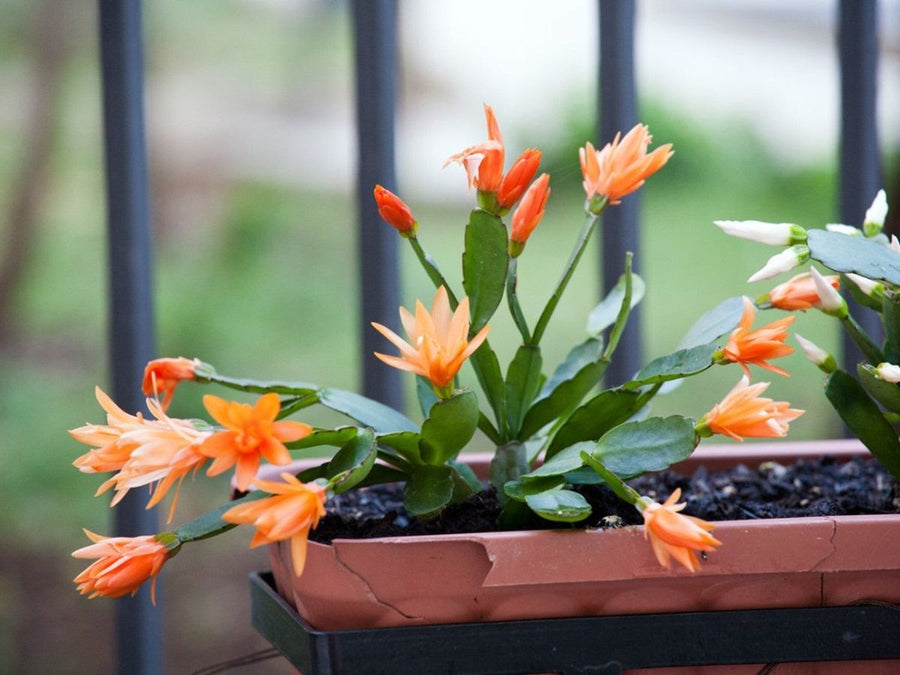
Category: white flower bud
[788,259]
[895,244]
[888,372]
[817,355]
[849,230]
[873,289]
[875,215]
[830,301]
[775,234]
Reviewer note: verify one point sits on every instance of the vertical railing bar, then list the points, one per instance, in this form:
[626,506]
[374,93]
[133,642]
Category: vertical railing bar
[618,112]
[131,335]
[375,31]
[860,160]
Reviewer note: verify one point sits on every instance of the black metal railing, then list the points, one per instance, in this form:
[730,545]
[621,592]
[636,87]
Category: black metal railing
[131,338]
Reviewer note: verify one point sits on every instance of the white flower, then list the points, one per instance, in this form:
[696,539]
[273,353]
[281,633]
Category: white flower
[888,372]
[895,244]
[775,234]
[849,230]
[830,301]
[873,289]
[788,259]
[875,215]
[816,354]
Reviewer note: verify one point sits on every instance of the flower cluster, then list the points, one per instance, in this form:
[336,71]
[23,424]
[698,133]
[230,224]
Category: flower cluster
[866,265]
[580,430]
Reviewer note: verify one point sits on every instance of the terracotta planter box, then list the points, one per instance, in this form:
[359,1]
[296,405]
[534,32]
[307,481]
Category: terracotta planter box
[504,576]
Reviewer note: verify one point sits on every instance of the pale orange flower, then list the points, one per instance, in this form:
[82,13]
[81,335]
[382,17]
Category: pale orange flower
[620,168]
[438,340]
[799,292]
[530,211]
[394,211]
[294,509]
[675,535]
[743,413]
[484,162]
[516,180]
[143,452]
[110,449]
[747,346]
[161,377]
[251,432]
[122,565]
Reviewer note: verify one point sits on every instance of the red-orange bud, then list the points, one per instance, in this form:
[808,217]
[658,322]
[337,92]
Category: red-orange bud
[518,177]
[394,211]
[529,213]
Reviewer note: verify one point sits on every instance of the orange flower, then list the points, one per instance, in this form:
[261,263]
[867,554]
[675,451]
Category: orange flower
[799,292]
[295,508]
[757,346]
[438,345]
[111,450]
[744,413]
[676,535]
[395,212]
[161,377]
[620,168]
[529,213]
[484,162]
[518,177]
[144,452]
[250,432]
[122,565]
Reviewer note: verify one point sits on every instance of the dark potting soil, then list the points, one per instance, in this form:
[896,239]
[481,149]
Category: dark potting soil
[807,488]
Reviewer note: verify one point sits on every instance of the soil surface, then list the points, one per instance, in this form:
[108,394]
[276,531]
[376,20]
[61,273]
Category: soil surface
[807,488]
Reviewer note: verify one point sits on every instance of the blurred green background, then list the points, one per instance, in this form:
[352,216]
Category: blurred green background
[255,266]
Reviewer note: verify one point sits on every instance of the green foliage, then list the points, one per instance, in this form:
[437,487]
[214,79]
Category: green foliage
[864,419]
[484,266]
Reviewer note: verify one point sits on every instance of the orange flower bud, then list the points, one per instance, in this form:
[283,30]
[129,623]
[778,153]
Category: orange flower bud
[161,377]
[395,212]
[529,213]
[518,177]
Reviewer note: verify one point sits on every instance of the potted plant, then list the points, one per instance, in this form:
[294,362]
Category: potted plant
[558,435]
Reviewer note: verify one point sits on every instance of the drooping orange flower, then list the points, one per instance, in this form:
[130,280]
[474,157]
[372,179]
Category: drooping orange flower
[438,341]
[294,509]
[110,450]
[122,565]
[516,180]
[251,432]
[158,452]
[161,377]
[529,213]
[743,413]
[747,346]
[675,535]
[394,211]
[620,168]
[484,162]
[799,292]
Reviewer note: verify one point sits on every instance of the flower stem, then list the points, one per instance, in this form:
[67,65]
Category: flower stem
[512,299]
[624,492]
[431,269]
[583,238]
[869,349]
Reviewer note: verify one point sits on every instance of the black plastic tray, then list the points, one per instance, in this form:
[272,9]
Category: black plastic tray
[603,644]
